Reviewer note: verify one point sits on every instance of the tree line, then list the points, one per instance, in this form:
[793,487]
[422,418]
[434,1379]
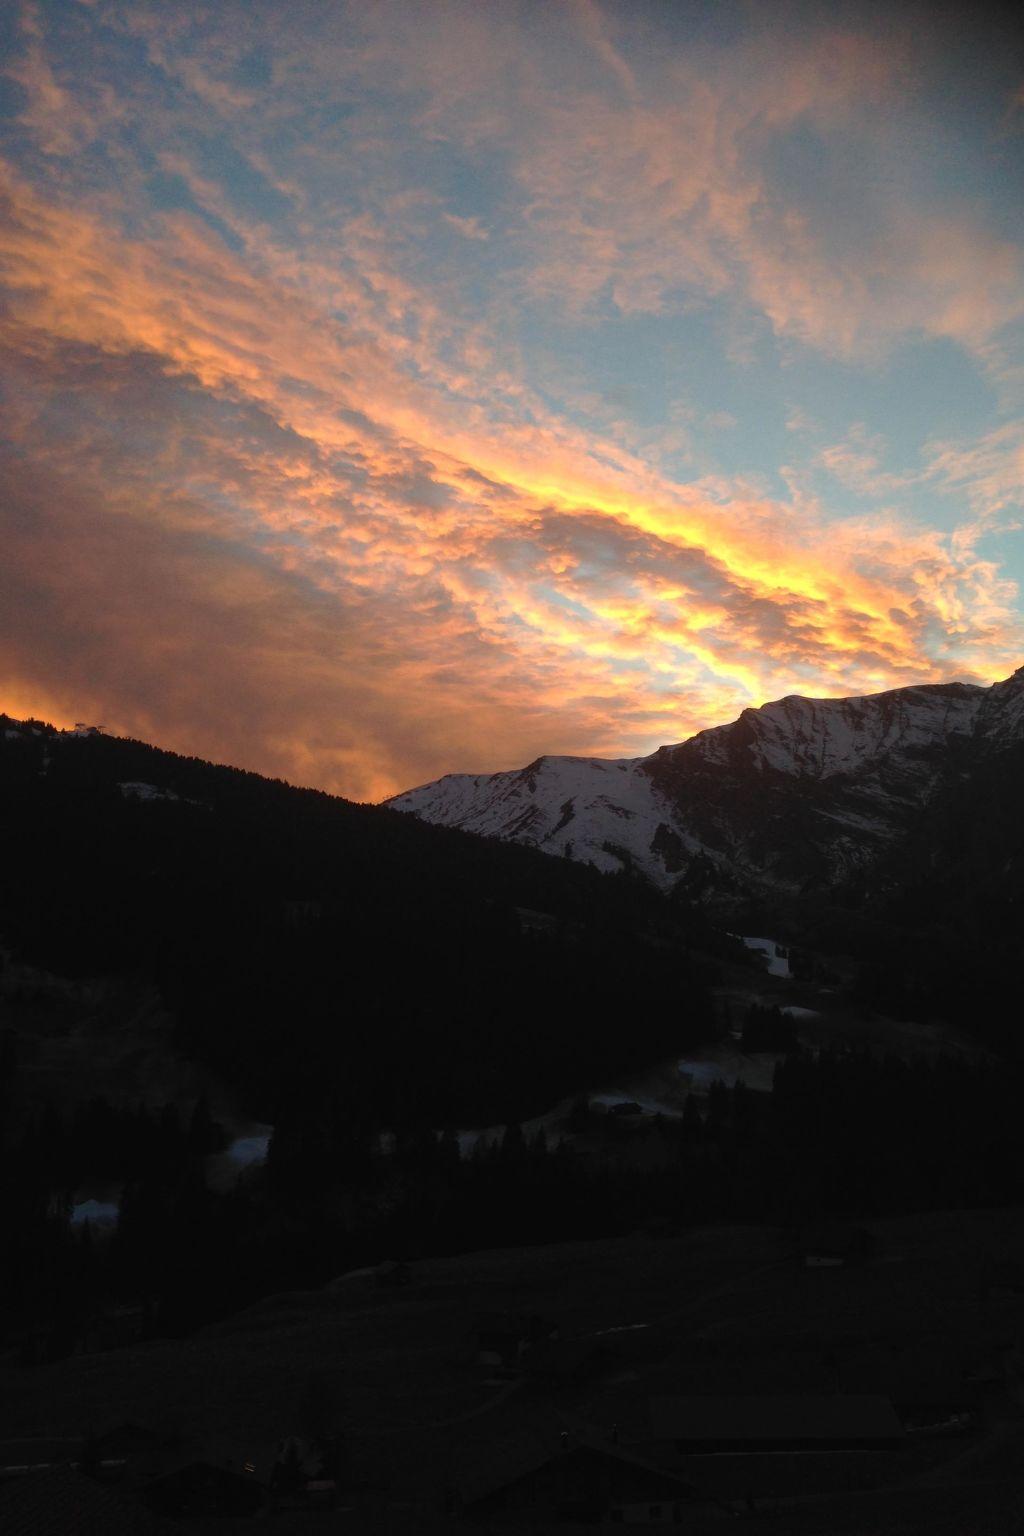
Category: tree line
[851,1134]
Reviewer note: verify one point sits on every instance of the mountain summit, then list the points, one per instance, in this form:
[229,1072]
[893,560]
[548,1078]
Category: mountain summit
[796,796]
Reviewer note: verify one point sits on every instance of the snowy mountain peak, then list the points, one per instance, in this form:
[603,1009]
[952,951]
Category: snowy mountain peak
[796,794]
[821,737]
[571,806]
[1001,718]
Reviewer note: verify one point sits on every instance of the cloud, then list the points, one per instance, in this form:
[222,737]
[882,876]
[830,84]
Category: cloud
[283,485]
[58,123]
[798,420]
[470,228]
[674,184]
[856,462]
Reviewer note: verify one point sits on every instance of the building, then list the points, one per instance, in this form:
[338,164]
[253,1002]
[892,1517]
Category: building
[755,1450]
[195,1476]
[838,1421]
[203,1488]
[547,1474]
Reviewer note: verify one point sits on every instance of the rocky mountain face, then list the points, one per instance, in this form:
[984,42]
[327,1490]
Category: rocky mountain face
[798,797]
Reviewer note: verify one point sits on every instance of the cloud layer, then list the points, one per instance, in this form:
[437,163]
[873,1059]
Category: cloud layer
[390,390]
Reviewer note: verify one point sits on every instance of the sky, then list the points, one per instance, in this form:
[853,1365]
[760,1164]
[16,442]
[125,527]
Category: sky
[401,388]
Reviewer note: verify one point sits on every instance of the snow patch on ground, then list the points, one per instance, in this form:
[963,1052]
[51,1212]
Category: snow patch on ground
[246,1151]
[726,1064]
[648,1105]
[572,806]
[778,965]
[137,790]
[102,1213]
[701,1074]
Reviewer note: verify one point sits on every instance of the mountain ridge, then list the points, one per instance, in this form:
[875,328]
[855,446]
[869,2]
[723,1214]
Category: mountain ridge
[793,796]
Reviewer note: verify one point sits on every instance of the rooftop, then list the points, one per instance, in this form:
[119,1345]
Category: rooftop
[835,1417]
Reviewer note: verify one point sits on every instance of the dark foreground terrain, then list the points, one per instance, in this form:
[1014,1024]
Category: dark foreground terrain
[785,1288]
[384,1371]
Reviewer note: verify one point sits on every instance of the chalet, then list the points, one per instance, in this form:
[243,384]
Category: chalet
[201,1488]
[560,1476]
[838,1421]
[212,1475]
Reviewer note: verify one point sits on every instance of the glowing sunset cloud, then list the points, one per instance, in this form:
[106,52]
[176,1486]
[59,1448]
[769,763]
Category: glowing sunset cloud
[402,388]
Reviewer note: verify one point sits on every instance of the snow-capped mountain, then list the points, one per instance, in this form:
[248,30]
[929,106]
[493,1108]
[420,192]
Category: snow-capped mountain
[796,795]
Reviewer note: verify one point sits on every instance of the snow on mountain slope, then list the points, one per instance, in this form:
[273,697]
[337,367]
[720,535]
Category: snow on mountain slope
[1001,717]
[571,806]
[796,795]
[818,738]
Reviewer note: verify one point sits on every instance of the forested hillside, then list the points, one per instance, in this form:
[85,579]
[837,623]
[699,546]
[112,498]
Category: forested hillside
[343,971]
[347,971]
[313,949]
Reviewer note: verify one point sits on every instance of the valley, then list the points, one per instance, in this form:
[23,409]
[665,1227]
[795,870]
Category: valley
[824,1018]
[274,1135]
[511,768]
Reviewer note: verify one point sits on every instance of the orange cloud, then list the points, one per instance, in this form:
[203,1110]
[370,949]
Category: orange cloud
[642,196]
[528,544]
[293,502]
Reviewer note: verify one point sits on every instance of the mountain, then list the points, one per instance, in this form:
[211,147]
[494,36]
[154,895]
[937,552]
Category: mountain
[798,797]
